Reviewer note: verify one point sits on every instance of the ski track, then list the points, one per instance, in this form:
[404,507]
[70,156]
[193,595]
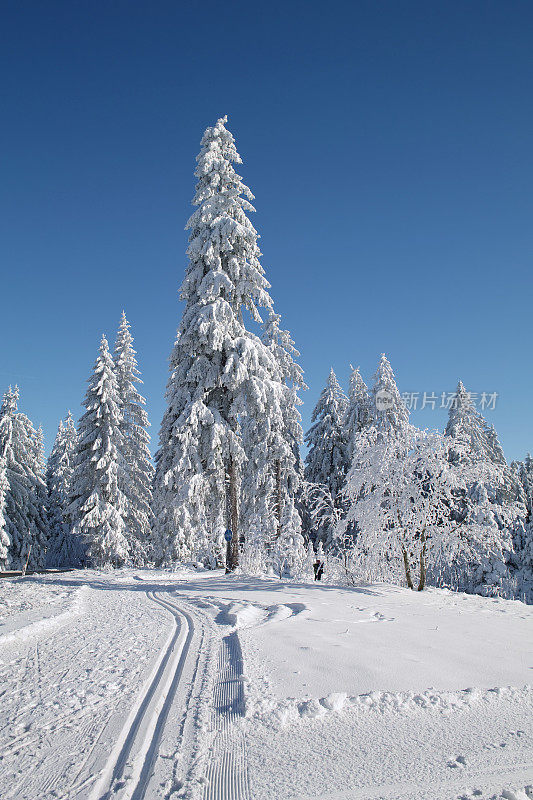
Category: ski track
[130,766]
[61,714]
[227,773]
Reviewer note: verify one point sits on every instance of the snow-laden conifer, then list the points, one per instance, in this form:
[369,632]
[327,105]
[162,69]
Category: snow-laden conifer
[327,459]
[4,488]
[137,472]
[220,372]
[465,429]
[64,549]
[271,441]
[98,505]
[358,410]
[25,492]
[489,502]
[388,409]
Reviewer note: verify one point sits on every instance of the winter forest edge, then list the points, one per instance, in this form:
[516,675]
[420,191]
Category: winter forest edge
[377,499]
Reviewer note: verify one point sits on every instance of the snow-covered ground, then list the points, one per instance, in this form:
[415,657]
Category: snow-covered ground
[144,684]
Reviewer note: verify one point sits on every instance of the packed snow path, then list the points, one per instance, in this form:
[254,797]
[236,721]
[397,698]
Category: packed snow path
[197,686]
[227,771]
[97,684]
[130,765]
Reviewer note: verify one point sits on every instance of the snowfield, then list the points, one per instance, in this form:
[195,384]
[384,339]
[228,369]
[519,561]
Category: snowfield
[151,684]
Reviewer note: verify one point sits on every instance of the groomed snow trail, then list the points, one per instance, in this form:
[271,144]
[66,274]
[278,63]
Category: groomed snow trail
[130,766]
[108,694]
[227,772]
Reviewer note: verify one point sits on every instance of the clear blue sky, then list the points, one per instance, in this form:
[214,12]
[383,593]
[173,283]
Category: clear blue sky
[389,146]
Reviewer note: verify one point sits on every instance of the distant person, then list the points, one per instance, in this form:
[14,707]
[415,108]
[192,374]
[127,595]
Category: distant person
[318,567]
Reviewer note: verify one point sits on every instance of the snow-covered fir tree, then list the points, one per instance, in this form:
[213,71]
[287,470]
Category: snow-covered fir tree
[488,501]
[137,472]
[465,429]
[98,505]
[523,472]
[389,412]
[327,459]
[327,462]
[64,549]
[272,470]
[4,488]
[39,451]
[358,410]
[290,374]
[220,372]
[25,522]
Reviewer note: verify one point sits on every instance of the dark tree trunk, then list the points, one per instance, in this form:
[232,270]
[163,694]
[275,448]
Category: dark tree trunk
[278,495]
[232,558]
[422,581]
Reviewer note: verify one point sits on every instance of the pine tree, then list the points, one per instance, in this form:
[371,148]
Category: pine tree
[40,465]
[466,429]
[489,502]
[25,523]
[526,479]
[5,541]
[272,471]
[358,411]
[327,459]
[389,411]
[65,549]
[220,372]
[98,505]
[137,473]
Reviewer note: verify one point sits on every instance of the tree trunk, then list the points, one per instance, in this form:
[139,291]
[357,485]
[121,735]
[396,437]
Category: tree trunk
[278,495]
[233,548]
[25,567]
[407,568]
[404,554]
[422,581]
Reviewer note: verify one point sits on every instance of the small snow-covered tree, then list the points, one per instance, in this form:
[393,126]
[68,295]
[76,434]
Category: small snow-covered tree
[288,555]
[64,549]
[220,372]
[98,505]
[400,490]
[326,461]
[137,472]
[25,493]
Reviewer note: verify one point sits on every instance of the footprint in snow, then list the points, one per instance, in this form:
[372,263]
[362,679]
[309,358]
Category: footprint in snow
[460,761]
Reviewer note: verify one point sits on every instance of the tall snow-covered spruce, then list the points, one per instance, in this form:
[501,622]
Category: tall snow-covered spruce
[98,505]
[391,415]
[5,541]
[272,471]
[327,459]
[136,473]
[358,410]
[64,549]
[24,513]
[223,378]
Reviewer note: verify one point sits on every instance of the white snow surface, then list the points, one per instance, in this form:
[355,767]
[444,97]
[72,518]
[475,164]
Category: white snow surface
[141,683]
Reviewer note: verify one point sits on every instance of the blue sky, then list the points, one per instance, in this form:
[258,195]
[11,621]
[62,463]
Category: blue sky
[388,144]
